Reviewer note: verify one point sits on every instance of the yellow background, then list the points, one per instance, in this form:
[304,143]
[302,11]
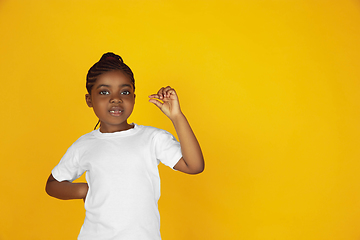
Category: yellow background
[271,88]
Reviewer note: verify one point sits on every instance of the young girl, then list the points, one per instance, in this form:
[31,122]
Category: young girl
[121,159]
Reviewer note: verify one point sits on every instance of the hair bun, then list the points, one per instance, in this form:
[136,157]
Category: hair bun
[110,57]
[108,62]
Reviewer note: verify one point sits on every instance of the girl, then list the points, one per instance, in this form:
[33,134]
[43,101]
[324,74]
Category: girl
[121,159]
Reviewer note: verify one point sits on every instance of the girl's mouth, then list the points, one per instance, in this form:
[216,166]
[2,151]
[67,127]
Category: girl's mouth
[116,112]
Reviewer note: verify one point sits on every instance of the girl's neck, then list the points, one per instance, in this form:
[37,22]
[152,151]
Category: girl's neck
[112,129]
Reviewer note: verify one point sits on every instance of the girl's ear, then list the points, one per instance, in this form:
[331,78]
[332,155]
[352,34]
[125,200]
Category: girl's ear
[88,100]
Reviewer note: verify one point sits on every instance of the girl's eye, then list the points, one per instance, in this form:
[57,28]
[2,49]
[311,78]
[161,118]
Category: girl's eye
[104,92]
[125,93]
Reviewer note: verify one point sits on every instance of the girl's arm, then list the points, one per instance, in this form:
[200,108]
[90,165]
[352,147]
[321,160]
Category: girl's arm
[66,190]
[192,161]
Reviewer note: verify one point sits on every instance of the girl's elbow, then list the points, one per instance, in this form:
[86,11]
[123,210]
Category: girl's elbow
[197,170]
[200,170]
[48,189]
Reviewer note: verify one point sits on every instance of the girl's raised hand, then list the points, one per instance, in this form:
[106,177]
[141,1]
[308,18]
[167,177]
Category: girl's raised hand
[192,160]
[167,101]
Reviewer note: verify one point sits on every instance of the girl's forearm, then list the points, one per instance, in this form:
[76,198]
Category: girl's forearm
[190,147]
[66,190]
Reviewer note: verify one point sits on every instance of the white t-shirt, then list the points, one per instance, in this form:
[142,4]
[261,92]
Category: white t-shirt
[124,185]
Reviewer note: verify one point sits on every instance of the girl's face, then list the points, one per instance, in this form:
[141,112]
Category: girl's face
[112,99]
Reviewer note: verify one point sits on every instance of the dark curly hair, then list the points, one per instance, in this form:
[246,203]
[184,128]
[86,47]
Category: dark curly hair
[108,62]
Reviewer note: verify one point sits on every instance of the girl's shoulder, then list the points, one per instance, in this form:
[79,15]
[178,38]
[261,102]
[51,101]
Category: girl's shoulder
[150,129]
[156,134]
[84,139]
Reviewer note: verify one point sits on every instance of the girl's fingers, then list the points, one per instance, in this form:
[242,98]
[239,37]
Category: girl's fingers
[168,91]
[156,102]
[154,96]
[163,93]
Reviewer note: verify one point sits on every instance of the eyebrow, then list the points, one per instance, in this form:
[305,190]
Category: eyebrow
[104,85]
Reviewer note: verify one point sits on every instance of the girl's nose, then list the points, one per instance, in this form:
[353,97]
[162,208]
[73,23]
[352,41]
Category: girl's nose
[116,99]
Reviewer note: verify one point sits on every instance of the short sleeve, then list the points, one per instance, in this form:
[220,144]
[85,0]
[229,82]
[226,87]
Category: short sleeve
[167,148]
[68,168]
